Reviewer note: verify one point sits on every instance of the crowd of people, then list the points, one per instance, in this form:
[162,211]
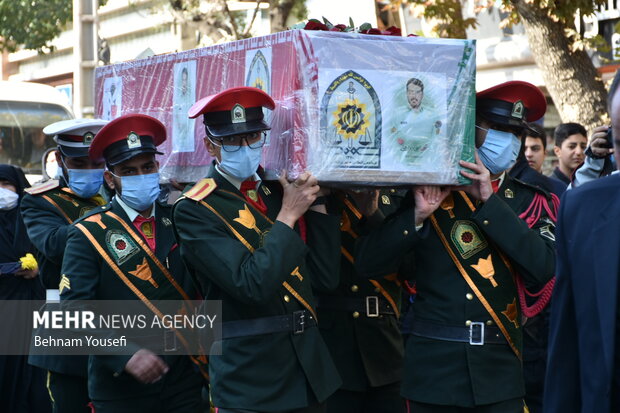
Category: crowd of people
[420,299]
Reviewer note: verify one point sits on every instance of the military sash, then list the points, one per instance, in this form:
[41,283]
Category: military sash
[135,264]
[70,206]
[389,286]
[483,266]
[250,226]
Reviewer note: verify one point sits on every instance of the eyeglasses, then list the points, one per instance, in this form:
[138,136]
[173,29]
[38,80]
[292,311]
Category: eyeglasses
[233,143]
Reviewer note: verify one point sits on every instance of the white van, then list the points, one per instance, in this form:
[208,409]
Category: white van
[25,109]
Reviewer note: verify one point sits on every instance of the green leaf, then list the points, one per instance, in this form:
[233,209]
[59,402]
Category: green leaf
[365,26]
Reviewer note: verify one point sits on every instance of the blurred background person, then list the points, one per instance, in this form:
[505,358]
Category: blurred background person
[571,140]
[534,147]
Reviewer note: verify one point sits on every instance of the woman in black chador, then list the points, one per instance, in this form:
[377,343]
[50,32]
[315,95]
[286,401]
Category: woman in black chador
[22,387]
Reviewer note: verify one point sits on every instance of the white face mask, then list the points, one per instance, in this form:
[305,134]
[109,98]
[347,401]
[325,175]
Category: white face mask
[8,199]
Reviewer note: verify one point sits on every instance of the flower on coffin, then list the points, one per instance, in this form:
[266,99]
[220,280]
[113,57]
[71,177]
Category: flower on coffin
[366,28]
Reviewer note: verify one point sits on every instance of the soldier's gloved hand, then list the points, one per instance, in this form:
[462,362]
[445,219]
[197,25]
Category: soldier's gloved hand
[146,366]
[427,200]
[480,188]
[297,198]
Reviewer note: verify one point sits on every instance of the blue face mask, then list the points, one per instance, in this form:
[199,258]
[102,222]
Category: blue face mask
[140,191]
[242,163]
[499,150]
[85,182]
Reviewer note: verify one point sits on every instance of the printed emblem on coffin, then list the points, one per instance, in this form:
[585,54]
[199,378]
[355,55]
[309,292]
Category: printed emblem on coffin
[351,122]
[467,238]
[121,246]
[259,75]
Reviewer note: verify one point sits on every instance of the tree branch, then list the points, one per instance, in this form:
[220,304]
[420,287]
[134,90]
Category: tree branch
[248,27]
[233,24]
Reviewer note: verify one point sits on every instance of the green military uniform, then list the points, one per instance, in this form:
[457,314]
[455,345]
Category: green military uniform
[465,283]
[263,272]
[48,210]
[90,275]
[359,322]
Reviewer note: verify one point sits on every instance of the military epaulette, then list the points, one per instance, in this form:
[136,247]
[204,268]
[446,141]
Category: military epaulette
[201,190]
[535,188]
[43,187]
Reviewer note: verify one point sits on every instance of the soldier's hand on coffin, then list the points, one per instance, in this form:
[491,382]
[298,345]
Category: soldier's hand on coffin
[297,198]
[427,200]
[366,200]
[146,366]
[480,188]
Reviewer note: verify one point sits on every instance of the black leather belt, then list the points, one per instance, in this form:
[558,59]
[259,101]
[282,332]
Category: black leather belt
[371,306]
[476,334]
[295,323]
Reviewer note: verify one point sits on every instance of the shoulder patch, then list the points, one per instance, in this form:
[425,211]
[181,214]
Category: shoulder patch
[201,190]
[43,187]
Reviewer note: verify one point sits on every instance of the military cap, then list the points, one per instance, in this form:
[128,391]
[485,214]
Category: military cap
[511,103]
[234,111]
[127,136]
[74,136]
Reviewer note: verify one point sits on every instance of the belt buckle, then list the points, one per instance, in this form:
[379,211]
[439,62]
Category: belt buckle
[299,322]
[372,306]
[479,342]
[170,341]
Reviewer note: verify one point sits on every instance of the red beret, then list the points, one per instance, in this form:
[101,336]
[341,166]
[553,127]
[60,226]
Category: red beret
[513,92]
[127,136]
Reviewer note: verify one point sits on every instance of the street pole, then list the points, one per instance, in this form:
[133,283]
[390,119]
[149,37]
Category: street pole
[85,55]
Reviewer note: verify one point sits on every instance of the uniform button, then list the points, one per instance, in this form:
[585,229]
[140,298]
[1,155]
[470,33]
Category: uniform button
[356,314]
[489,322]
[392,191]
[354,288]
[341,223]
[405,232]
[116,374]
[377,290]
[468,323]
[485,222]
[287,298]
[469,296]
